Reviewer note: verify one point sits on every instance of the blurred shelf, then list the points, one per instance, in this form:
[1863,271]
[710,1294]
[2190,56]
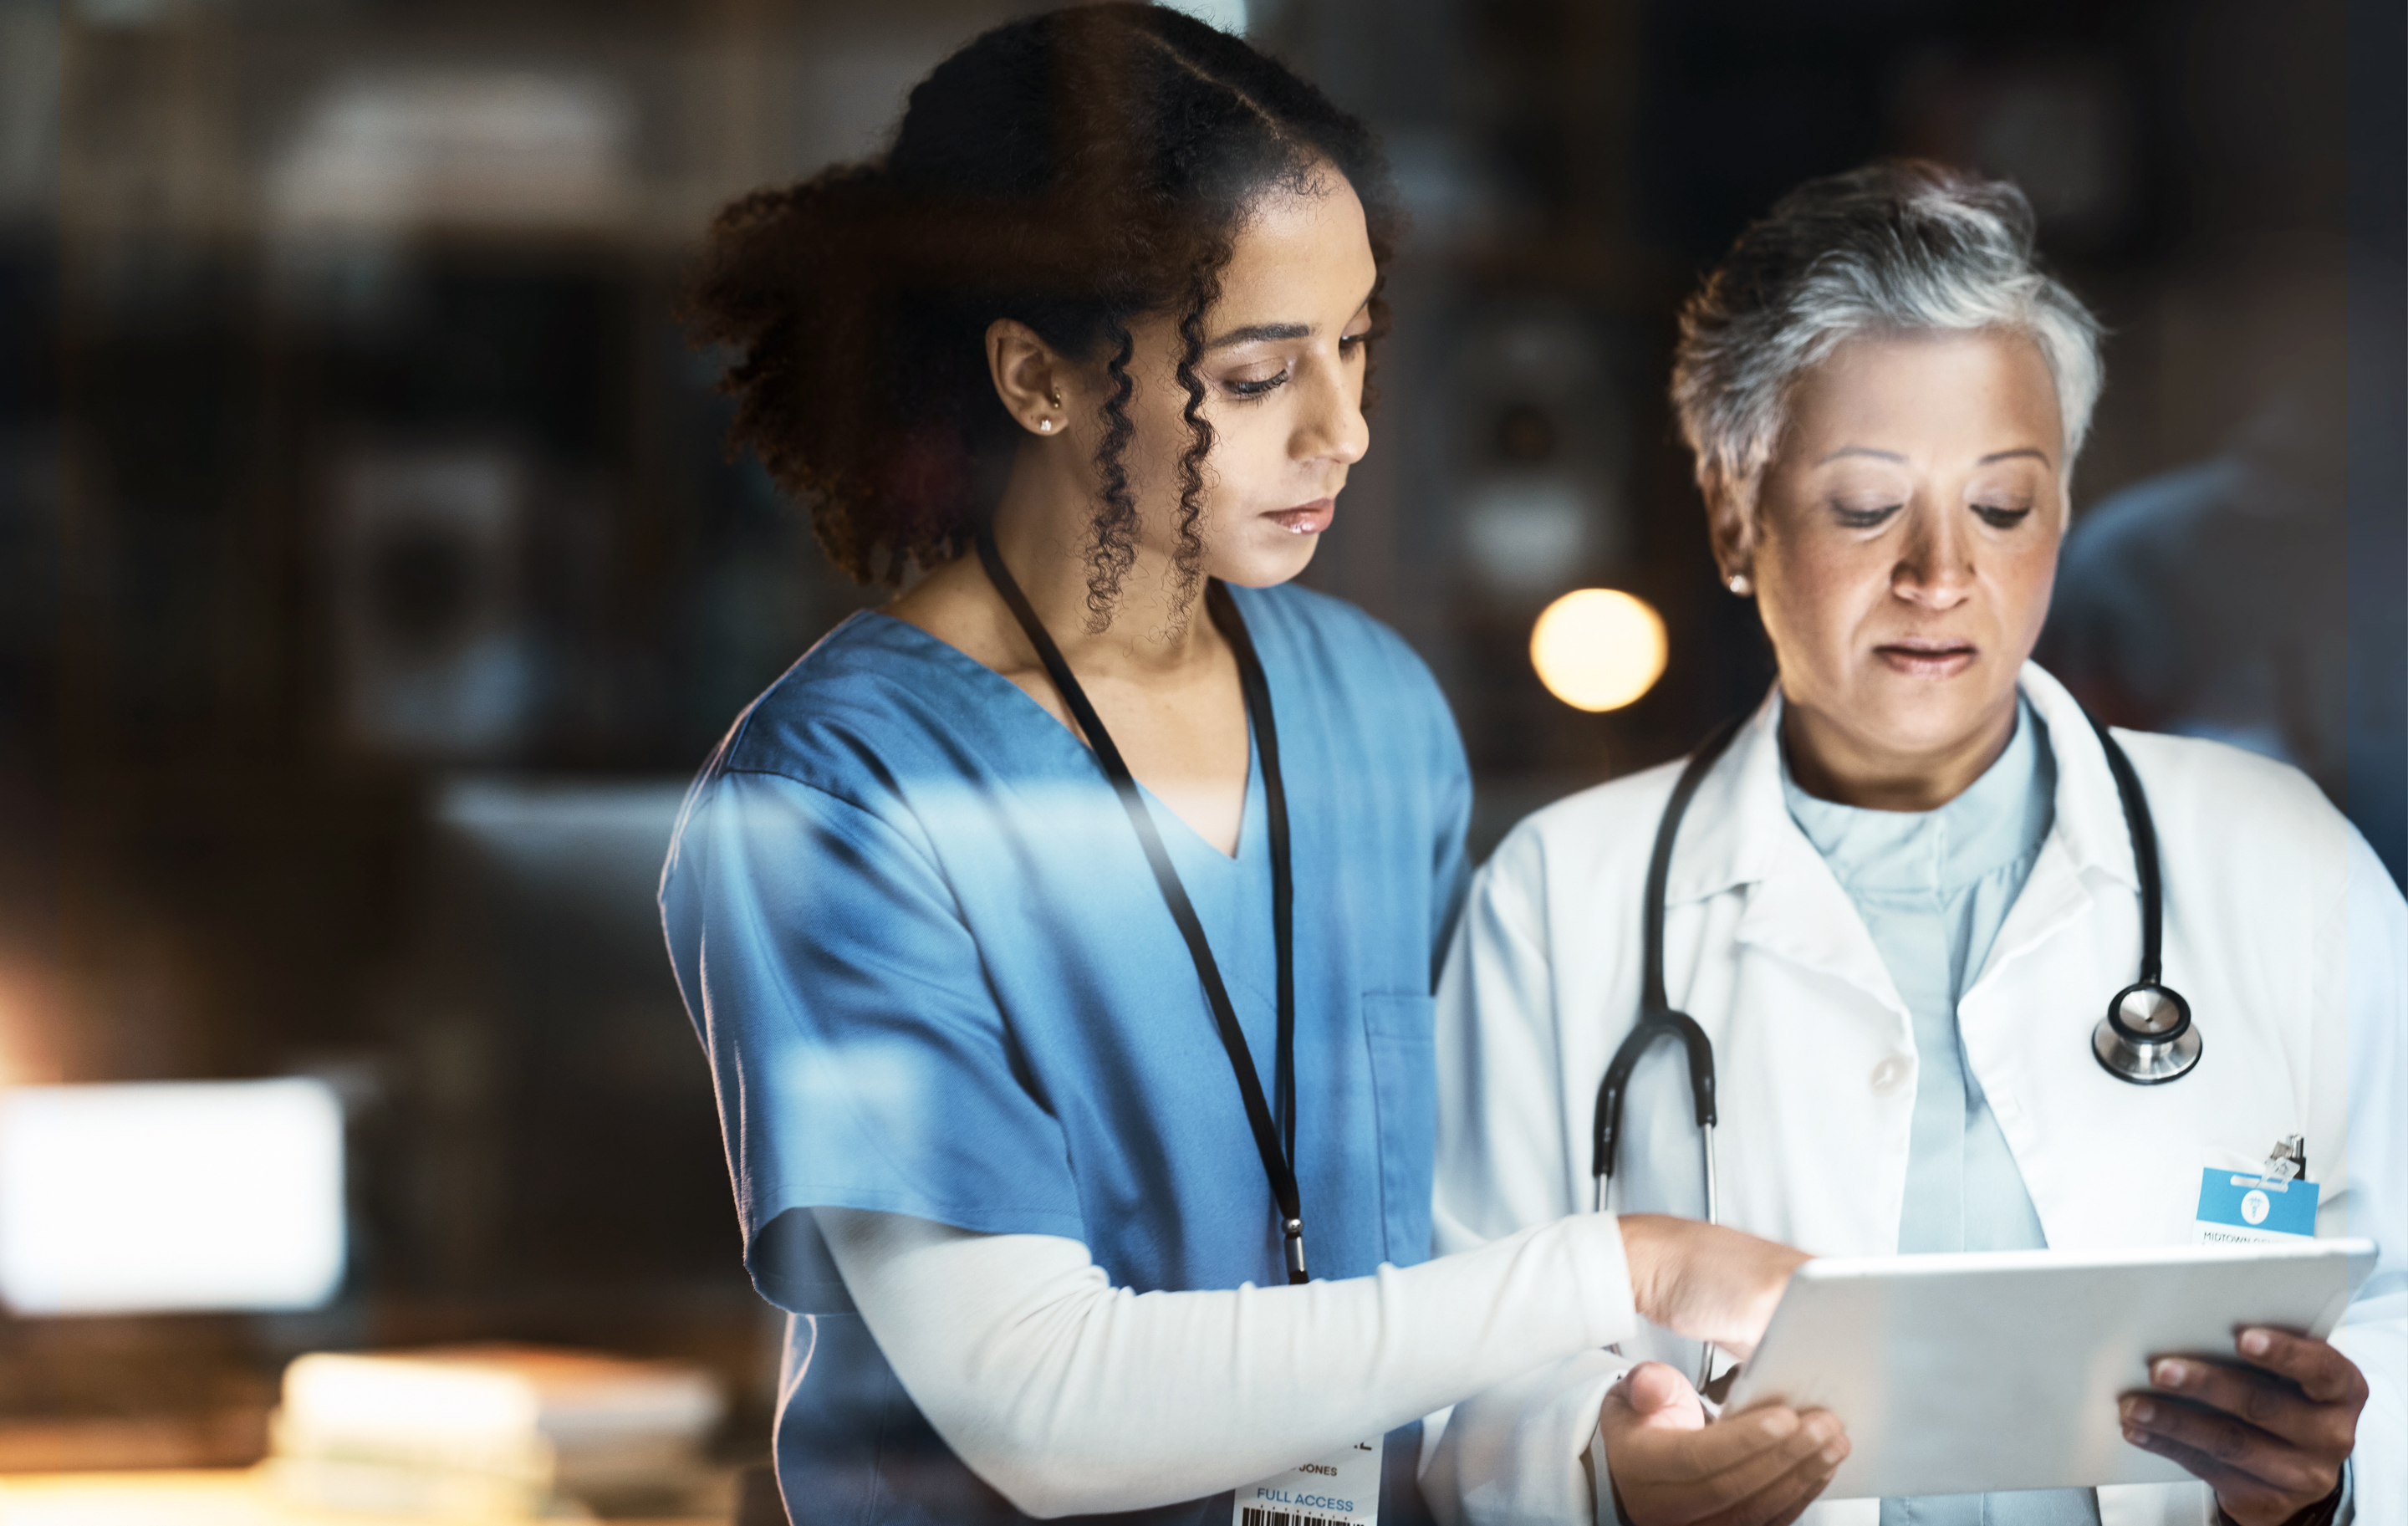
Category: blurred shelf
[215,1439]
[232,1497]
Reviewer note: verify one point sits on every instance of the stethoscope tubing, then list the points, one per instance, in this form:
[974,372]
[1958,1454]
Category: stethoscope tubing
[1657,1019]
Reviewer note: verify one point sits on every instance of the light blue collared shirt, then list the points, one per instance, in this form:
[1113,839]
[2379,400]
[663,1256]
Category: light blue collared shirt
[1934,887]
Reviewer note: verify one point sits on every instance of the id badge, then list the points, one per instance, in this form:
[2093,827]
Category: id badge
[1339,1490]
[2244,1208]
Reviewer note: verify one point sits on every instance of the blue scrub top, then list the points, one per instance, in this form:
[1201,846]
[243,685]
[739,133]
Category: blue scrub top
[919,940]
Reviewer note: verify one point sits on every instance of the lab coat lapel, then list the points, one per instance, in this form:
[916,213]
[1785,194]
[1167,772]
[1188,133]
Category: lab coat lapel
[1801,913]
[2052,898]
[1739,832]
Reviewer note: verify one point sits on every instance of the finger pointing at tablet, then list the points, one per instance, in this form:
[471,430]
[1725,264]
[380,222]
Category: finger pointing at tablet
[2269,1437]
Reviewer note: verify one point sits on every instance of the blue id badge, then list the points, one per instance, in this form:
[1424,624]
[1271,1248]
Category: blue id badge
[2244,1208]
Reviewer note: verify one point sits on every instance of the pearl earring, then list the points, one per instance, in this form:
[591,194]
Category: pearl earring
[1736,582]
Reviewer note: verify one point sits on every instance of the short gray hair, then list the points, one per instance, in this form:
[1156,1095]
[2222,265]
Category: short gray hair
[1896,247]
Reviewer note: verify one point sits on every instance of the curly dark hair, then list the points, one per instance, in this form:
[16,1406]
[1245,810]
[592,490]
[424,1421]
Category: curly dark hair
[1076,171]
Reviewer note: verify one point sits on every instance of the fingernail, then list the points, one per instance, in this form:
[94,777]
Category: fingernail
[2133,1436]
[1819,1430]
[1780,1423]
[1835,1451]
[2144,1412]
[2171,1375]
[2256,1342]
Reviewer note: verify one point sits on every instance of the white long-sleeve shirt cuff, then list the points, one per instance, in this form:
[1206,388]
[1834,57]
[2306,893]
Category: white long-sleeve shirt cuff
[1071,1396]
[1520,1451]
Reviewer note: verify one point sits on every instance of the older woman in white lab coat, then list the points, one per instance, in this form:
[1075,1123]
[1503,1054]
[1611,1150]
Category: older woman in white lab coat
[1900,904]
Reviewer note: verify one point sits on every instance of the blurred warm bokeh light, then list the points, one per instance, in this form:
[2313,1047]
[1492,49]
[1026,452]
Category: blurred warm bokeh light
[1598,648]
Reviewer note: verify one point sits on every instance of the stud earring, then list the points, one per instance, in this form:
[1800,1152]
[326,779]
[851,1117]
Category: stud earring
[1736,582]
[1045,426]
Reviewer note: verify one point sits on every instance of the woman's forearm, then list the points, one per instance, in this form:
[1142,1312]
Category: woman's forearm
[1071,1396]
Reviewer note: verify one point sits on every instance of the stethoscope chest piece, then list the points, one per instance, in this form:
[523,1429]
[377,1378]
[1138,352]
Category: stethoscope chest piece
[2147,1037]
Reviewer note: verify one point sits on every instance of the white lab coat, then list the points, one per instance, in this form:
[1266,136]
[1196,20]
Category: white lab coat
[2281,928]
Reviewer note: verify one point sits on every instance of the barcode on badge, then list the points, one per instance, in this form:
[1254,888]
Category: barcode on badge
[1251,1515]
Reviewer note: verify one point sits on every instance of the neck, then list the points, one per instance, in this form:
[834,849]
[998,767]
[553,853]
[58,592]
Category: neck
[1831,763]
[1044,531]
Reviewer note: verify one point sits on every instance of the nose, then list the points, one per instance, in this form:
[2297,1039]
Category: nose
[1330,427]
[1935,567]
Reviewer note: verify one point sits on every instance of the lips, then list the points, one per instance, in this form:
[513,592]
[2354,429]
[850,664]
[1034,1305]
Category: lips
[1926,658]
[1304,518]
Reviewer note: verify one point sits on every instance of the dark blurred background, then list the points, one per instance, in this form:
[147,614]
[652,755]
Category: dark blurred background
[372,575]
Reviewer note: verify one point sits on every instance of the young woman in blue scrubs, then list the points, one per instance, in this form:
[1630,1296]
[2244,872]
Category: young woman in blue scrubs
[1062,935]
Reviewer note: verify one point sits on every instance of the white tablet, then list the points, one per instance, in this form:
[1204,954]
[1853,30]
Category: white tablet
[1964,1374]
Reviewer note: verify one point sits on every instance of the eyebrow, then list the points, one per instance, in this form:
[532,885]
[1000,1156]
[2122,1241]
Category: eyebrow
[1256,333]
[1253,332]
[2036,454]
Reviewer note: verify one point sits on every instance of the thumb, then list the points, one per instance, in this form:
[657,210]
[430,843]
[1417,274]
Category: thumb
[1651,1396]
[1653,1387]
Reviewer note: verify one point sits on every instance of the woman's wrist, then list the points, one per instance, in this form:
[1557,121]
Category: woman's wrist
[1650,1242]
[1704,1282]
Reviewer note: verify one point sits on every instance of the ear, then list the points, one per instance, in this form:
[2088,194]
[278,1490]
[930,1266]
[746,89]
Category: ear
[1031,380]
[1731,517]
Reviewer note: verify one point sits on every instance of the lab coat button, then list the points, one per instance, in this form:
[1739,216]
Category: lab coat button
[1889,1077]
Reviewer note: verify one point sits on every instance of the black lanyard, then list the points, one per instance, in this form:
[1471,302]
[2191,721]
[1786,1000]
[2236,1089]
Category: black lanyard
[1278,1155]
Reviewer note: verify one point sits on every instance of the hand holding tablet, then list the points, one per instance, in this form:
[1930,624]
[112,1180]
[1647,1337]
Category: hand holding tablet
[1665,1464]
[2268,1434]
[1979,1373]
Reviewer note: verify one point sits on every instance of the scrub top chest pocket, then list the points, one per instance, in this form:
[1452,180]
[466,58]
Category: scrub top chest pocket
[1400,1026]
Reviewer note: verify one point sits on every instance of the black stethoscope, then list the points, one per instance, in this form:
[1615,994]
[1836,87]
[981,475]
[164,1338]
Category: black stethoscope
[2146,1037]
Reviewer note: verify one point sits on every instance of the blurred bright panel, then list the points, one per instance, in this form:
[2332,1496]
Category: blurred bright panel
[180,1195]
[1598,648]
[1524,530]
[460,149]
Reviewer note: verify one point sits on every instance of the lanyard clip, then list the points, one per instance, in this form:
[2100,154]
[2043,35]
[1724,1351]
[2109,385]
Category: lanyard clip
[2286,1161]
[1294,1231]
